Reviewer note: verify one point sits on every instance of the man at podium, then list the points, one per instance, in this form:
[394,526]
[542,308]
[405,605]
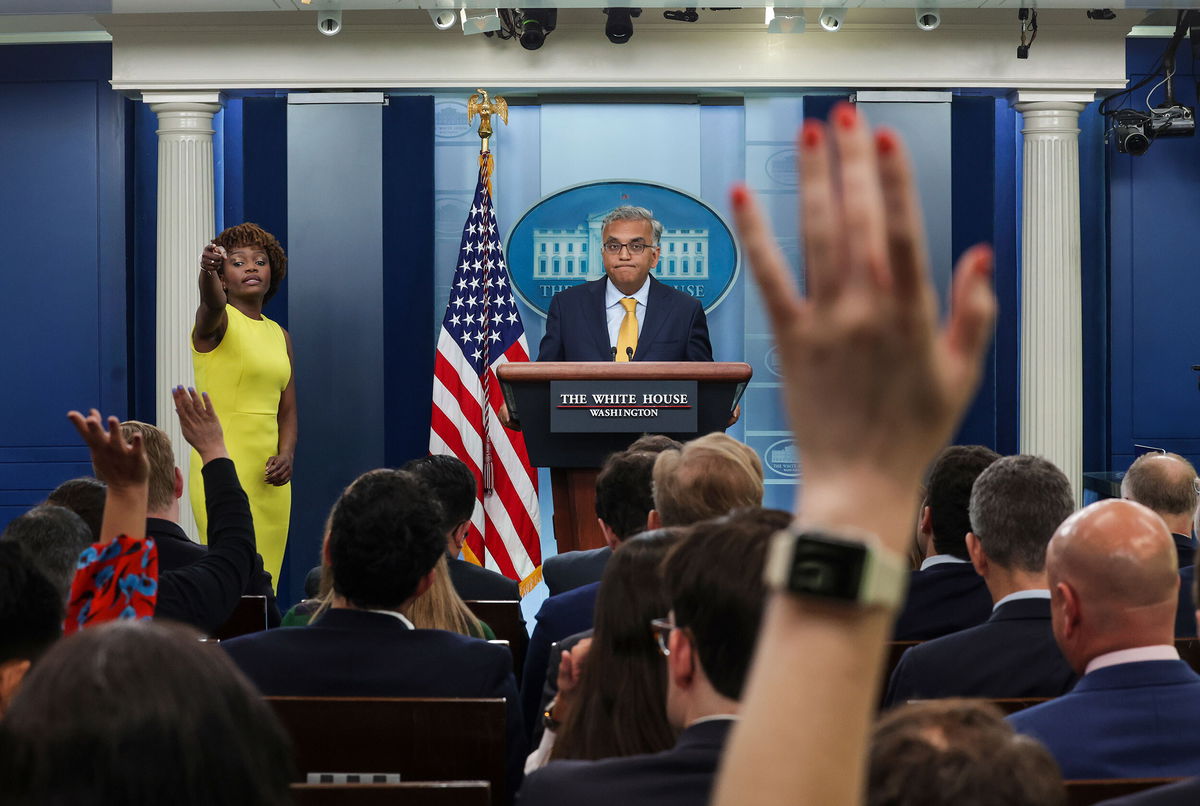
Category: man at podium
[626,315]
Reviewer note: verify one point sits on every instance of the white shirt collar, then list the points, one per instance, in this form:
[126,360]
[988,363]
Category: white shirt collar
[713,718]
[941,559]
[613,296]
[1135,655]
[395,615]
[1032,593]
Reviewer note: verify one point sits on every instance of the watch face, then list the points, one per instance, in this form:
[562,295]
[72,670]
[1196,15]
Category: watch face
[824,567]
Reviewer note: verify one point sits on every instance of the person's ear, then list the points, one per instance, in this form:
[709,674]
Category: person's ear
[681,662]
[653,521]
[978,556]
[925,524]
[178,483]
[12,672]
[1069,605]
[458,536]
[610,537]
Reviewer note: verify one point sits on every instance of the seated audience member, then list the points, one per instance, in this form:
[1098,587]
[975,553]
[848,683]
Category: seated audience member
[175,548]
[385,537]
[615,704]
[31,614]
[1135,713]
[715,584]
[957,752]
[441,608]
[1166,482]
[85,497]
[1016,504]
[874,386]
[455,487]
[709,477]
[140,714]
[53,537]
[946,594]
[623,500]
[118,576]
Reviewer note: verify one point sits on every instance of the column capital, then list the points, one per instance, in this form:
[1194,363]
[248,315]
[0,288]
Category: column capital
[1064,99]
[204,98]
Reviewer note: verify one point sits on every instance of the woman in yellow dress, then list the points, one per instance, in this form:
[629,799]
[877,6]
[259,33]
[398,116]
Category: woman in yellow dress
[244,361]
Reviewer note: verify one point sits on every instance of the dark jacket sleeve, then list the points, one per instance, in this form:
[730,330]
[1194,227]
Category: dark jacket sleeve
[551,348]
[900,687]
[533,676]
[699,347]
[204,593]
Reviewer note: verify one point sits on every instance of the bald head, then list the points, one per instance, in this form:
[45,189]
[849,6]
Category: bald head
[1114,579]
[1165,482]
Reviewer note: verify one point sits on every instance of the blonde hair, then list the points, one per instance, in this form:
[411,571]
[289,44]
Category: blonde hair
[441,608]
[709,477]
[162,462]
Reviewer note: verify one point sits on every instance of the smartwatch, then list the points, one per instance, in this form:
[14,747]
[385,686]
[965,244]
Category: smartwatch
[838,566]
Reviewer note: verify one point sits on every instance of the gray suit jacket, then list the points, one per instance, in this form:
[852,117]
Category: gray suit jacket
[574,569]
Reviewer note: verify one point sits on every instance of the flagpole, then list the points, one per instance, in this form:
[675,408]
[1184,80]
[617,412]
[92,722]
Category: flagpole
[479,104]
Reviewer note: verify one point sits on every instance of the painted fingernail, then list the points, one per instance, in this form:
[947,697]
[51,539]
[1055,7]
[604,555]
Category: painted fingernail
[739,195]
[192,389]
[886,142]
[845,115]
[811,134]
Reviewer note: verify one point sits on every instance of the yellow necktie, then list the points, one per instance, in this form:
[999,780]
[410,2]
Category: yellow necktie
[627,335]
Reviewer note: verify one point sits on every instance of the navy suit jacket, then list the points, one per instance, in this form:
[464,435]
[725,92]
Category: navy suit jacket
[564,572]
[942,599]
[356,653]
[1185,548]
[473,582]
[559,616]
[681,776]
[1012,654]
[674,328]
[1185,612]
[1135,720]
[1184,793]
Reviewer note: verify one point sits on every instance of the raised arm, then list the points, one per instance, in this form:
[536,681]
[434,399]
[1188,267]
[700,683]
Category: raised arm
[873,389]
[123,467]
[211,318]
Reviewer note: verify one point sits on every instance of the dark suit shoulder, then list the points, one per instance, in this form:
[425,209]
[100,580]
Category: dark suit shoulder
[1184,793]
[474,582]
[573,569]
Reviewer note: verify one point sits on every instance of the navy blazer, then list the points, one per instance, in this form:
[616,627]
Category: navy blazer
[474,582]
[1012,654]
[574,569]
[1135,720]
[942,599]
[559,616]
[356,653]
[1185,611]
[1185,549]
[681,776]
[1184,793]
[674,328]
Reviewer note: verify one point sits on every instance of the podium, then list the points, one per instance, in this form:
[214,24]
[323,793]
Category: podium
[573,415]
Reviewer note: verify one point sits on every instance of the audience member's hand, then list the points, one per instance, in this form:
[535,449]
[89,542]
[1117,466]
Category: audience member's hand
[569,671]
[125,470]
[279,469]
[199,423]
[873,386]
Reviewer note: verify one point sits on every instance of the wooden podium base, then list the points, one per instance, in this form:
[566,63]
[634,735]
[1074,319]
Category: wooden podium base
[575,526]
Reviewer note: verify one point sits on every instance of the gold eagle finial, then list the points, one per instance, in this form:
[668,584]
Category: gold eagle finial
[479,104]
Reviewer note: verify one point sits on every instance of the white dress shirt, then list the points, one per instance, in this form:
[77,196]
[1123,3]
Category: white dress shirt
[615,312]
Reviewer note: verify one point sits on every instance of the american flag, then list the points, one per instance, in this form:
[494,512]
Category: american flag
[482,330]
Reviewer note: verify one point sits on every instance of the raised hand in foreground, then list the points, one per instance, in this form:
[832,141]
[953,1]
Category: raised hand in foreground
[199,423]
[874,387]
[123,466]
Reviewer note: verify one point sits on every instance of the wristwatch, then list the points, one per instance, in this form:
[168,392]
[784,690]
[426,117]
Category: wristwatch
[842,566]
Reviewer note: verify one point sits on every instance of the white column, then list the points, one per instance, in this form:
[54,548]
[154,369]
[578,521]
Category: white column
[1051,323]
[186,219]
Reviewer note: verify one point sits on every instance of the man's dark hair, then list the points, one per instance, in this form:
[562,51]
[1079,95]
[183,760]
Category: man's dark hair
[141,713]
[31,609]
[950,752]
[85,497]
[949,495]
[384,535]
[714,578]
[452,483]
[1167,487]
[54,537]
[1016,505]
[625,492]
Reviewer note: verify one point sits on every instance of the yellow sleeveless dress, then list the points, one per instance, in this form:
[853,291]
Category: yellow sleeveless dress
[244,377]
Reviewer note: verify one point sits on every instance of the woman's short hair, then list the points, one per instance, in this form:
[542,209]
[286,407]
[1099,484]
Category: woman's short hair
[253,235]
[141,713]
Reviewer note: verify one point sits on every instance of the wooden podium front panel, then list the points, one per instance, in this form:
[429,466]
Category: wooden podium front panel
[575,526]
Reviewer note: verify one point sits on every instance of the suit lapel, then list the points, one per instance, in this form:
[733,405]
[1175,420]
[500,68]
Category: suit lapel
[653,321]
[597,319]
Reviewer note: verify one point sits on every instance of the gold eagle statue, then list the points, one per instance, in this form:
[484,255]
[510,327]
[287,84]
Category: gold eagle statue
[478,104]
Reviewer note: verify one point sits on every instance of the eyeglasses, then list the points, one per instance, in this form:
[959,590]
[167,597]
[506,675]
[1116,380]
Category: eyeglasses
[635,248]
[661,629]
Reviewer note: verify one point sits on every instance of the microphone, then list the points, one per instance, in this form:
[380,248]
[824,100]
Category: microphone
[614,353]
[629,352]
